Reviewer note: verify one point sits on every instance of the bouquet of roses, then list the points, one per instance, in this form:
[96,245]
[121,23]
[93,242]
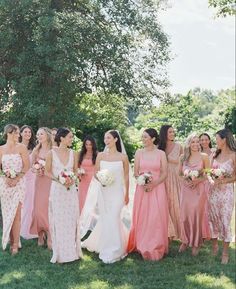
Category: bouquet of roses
[216,173]
[144,179]
[192,175]
[105,177]
[39,166]
[67,178]
[9,173]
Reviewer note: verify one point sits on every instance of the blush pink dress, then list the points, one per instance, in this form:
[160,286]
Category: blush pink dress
[28,205]
[192,210]
[89,168]
[173,192]
[221,205]
[41,199]
[10,196]
[149,230]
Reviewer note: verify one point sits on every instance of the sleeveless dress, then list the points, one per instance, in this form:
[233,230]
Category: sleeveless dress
[64,215]
[89,168]
[221,205]
[40,210]
[149,231]
[10,196]
[192,207]
[173,192]
[28,205]
[109,236]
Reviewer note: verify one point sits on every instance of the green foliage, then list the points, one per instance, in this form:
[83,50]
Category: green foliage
[199,110]
[224,7]
[54,51]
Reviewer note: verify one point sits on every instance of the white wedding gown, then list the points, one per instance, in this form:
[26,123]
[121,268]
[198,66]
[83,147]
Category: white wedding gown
[109,236]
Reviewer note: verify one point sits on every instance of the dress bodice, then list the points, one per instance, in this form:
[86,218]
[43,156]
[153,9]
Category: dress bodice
[88,166]
[58,166]
[196,166]
[116,168]
[12,161]
[228,165]
[152,165]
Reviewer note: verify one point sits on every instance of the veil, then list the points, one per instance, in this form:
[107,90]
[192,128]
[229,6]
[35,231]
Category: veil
[90,211]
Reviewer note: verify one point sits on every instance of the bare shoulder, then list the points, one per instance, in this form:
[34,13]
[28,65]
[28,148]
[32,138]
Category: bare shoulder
[2,148]
[100,155]
[21,147]
[161,152]
[124,157]
[138,152]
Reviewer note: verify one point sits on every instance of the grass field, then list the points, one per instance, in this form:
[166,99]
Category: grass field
[31,269]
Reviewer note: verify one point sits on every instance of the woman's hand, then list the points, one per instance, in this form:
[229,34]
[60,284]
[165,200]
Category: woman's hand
[149,187]
[126,199]
[12,182]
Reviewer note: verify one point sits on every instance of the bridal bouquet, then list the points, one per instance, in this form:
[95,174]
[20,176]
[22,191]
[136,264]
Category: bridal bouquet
[9,173]
[67,178]
[192,175]
[144,179]
[105,177]
[39,166]
[216,173]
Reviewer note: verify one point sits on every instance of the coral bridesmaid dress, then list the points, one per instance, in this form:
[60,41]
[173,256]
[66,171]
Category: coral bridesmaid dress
[41,200]
[89,168]
[149,231]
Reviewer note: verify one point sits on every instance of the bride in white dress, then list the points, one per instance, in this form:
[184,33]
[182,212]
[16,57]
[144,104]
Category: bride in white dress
[109,236]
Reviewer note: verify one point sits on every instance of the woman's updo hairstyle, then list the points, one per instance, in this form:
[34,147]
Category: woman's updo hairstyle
[9,128]
[61,132]
[116,135]
[153,134]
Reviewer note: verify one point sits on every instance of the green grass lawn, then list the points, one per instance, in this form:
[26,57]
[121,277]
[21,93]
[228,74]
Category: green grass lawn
[31,269]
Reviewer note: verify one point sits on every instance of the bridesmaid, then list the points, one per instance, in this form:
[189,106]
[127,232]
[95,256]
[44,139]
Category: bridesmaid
[205,143]
[149,230]
[193,196]
[221,201]
[173,151]
[63,201]
[87,160]
[206,147]
[39,225]
[12,190]
[54,132]
[27,138]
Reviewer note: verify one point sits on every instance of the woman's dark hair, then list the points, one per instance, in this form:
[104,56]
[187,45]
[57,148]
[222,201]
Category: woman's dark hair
[9,128]
[153,134]
[84,150]
[163,136]
[32,141]
[61,132]
[116,135]
[206,134]
[230,140]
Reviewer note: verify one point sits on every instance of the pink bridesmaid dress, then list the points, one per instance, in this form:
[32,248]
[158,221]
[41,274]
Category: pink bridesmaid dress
[28,205]
[192,210]
[41,201]
[89,168]
[149,231]
[173,192]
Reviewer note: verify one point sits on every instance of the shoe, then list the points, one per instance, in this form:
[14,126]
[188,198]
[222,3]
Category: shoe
[195,251]
[225,258]
[182,248]
[41,240]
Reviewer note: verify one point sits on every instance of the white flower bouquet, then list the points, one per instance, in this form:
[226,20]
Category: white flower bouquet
[105,177]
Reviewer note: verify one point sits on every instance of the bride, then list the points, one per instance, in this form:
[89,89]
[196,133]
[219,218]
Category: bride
[109,236]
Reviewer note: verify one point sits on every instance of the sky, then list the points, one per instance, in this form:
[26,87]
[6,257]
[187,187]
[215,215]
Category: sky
[202,46]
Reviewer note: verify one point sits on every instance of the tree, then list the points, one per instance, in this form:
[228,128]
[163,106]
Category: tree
[224,7]
[53,51]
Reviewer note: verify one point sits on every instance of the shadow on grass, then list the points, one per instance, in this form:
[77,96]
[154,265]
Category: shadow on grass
[31,269]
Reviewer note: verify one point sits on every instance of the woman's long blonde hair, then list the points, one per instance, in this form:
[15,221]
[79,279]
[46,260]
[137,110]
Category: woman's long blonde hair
[49,138]
[187,150]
